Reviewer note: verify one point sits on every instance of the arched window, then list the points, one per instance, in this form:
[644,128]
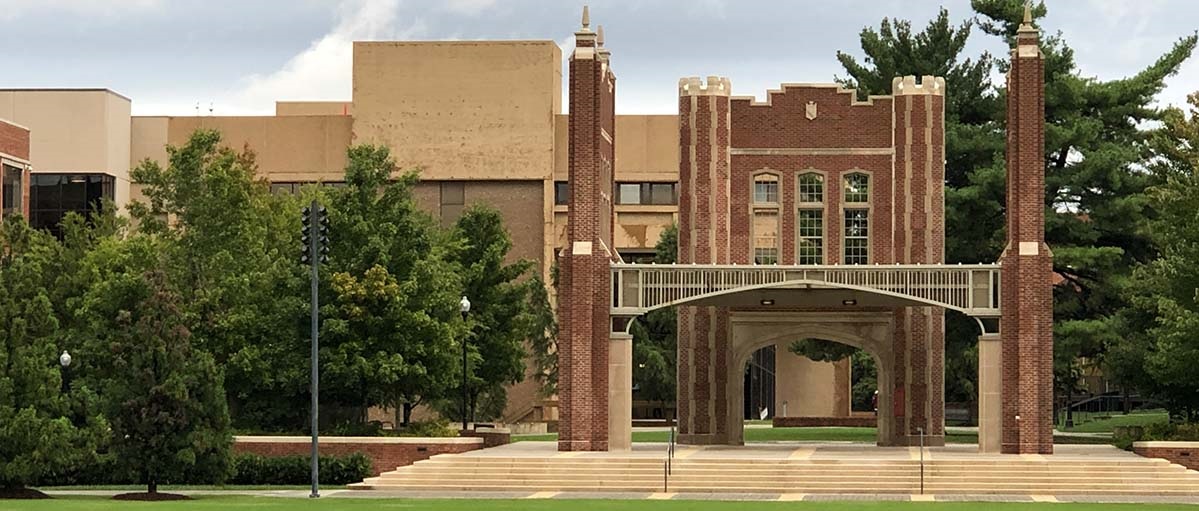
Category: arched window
[857,188]
[811,187]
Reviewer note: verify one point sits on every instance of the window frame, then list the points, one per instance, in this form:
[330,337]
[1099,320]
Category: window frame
[845,237]
[799,193]
[845,193]
[645,193]
[753,188]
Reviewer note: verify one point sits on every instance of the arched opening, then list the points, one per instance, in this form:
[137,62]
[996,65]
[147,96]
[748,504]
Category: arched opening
[776,338]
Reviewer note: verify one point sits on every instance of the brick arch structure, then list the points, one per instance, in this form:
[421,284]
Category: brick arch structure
[898,139]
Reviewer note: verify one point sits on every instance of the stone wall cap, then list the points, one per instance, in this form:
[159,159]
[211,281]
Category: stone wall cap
[357,440]
[1166,444]
[493,430]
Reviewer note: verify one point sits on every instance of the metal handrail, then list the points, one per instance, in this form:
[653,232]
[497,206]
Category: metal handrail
[668,465]
[921,430]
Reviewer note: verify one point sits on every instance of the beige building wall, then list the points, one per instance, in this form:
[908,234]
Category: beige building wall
[647,150]
[809,388]
[75,130]
[307,148]
[294,108]
[461,110]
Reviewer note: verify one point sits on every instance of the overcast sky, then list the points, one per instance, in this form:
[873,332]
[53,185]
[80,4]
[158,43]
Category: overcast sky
[242,55]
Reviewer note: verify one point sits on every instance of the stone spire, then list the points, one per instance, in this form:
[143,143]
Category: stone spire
[584,36]
[599,38]
[1026,26]
[586,19]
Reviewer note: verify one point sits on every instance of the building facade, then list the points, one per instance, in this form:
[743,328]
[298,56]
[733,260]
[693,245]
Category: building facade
[813,214]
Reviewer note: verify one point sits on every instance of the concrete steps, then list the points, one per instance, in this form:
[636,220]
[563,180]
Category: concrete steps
[1007,476]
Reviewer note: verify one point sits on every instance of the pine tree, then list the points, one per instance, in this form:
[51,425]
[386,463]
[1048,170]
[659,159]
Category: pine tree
[170,421]
[47,426]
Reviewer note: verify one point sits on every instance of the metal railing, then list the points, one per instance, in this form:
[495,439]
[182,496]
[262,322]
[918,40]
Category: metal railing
[669,462]
[921,431]
[971,289]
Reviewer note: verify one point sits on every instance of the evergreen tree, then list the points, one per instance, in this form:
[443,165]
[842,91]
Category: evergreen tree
[1095,153]
[47,426]
[170,421]
[655,337]
[1156,347]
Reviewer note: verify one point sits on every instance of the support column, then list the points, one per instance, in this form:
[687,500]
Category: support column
[620,392]
[990,390]
[704,167]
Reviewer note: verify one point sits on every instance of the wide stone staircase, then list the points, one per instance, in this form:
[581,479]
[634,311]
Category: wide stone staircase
[1006,475]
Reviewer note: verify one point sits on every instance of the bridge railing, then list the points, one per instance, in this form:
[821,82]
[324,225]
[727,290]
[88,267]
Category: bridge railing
[972,289]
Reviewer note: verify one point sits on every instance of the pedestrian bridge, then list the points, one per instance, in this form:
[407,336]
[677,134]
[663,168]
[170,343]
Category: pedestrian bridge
[970,289]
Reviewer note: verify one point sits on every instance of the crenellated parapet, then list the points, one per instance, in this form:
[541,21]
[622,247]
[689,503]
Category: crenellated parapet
[927,85]
[713,86]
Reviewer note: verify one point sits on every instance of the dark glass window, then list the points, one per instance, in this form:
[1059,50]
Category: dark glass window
[561,193]
[656,194]
[294,187]
[52,196]
[12,190]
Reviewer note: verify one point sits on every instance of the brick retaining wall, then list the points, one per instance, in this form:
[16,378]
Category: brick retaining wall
[1182,453]
[853,421]
[386,453]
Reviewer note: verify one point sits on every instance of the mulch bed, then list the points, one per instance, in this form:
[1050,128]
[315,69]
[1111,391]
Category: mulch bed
[150,497]
[22,493]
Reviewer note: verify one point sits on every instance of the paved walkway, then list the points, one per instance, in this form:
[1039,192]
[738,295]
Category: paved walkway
[810,450]
[377,494]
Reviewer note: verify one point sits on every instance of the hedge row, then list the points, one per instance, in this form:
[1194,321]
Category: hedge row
[248,469]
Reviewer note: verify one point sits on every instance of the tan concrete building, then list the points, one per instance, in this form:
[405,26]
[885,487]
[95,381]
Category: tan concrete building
[483,121]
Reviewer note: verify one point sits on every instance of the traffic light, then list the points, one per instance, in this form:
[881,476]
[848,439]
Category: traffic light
[315,240]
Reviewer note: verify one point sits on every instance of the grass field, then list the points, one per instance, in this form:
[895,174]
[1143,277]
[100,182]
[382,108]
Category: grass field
[866,435]
[336,504]
[1117,419]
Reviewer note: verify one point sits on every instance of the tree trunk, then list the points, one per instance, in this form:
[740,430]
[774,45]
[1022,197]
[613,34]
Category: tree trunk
[407,413]
[152,488]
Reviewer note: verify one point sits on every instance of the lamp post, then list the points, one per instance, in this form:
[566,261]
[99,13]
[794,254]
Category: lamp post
[64,361]
[464,308]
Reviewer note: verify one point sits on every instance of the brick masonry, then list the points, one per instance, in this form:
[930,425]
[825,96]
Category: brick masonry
[896,140]
[14,141]
[853,421]
[584,281]
[14,144]
[386,454]
[1026,296]
[1182,453]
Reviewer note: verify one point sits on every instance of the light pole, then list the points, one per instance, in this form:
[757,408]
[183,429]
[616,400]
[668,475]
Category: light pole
[464,308]
[64,361]
[315,250]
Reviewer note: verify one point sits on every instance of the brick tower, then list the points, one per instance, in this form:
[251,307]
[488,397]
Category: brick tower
[1026,328]
[584,300]
[704,207]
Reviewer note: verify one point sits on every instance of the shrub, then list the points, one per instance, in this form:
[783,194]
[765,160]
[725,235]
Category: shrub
[254,469]
[433,428]
[1159,431]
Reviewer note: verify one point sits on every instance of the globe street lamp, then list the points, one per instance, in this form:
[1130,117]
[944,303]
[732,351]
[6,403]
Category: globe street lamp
[64,361]
[464,308]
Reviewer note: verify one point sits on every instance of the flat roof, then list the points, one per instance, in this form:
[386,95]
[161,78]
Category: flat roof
[67,89]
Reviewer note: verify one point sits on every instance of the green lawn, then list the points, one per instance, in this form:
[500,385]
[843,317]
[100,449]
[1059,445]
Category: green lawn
[865,435]
[336,504]
[1117,419]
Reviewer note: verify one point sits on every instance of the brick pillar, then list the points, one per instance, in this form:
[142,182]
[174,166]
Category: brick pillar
[703,337]
[1026,289]
[585,289]
[918,238]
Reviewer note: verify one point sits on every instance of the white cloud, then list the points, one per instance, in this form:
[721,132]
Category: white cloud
[471,7]
[323,71]
[13,9]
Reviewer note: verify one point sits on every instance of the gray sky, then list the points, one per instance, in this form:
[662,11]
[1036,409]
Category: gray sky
[242,55]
